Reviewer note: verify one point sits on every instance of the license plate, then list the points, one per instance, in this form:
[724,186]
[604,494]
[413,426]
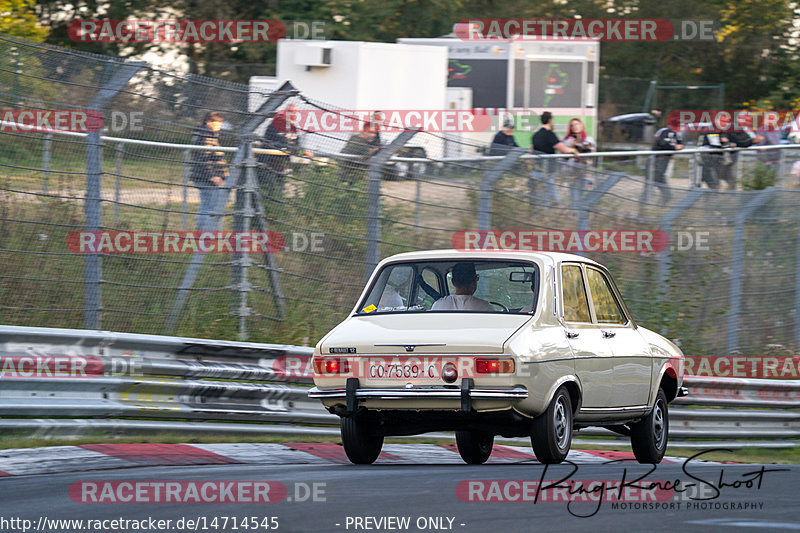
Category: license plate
[404,368]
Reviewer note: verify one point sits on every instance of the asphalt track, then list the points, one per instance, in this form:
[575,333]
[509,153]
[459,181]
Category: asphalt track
[424,487]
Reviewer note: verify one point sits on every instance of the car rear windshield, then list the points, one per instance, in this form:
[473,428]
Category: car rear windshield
[454,287]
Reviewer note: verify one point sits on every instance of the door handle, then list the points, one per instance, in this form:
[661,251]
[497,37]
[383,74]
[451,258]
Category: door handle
[608,334]
[572,334]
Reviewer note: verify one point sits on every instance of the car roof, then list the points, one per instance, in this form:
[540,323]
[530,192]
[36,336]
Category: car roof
[477,255]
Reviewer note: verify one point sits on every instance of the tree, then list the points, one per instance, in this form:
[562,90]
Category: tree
[18,18]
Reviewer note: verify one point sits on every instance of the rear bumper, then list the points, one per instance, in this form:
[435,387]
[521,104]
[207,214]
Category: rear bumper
[416,397]
[422,393]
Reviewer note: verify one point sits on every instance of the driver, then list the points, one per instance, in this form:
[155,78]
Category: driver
[465,281]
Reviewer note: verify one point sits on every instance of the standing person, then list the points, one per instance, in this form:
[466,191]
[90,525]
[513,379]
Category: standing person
[281,134]
[668,139]
[546,142]
[503,140]
[360,144]
[376,122]
[578,139]
[719,166]
[209,171]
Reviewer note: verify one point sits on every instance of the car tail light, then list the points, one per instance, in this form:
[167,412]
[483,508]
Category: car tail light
[331,365]
[494,366]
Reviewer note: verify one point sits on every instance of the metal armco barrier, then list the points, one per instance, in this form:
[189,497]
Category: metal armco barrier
[115,382]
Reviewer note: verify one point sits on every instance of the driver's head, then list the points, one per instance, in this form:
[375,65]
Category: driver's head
[465,278]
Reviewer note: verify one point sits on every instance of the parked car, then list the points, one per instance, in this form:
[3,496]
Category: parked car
[543,346]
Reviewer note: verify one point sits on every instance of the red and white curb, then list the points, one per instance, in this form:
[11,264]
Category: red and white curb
[56,459]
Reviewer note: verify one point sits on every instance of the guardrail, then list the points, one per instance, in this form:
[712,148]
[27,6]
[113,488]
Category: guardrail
[150,383]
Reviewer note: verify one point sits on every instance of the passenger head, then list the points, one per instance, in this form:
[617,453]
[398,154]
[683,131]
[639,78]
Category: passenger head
[464,277]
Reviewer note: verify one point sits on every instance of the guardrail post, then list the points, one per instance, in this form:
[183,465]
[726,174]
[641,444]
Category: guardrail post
[737,258]
[374,173]
[488,180]
[665,260]
[92,206]
[46,148]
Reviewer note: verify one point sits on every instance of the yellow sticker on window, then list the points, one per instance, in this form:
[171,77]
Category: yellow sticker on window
[370,308]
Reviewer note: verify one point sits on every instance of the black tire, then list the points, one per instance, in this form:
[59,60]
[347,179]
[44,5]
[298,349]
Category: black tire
[551,432]
[475,447]
[361,443]
[649,436]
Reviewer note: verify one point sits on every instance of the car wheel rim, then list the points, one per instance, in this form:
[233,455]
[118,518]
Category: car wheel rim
[658,425]
[561,423]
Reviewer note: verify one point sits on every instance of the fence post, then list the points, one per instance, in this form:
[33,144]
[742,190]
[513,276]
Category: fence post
[247,213]
[46,154]
[737,258]
[593,196]
[92,206]
[797,293]
[488,180]
[648,179]
[665,260]
[739,167]
[120,151]
[187,171]
[374,172]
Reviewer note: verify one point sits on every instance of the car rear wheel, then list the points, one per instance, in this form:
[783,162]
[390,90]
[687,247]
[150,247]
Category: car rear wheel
[475,447]
[362,443]
[551,432]
[649,436]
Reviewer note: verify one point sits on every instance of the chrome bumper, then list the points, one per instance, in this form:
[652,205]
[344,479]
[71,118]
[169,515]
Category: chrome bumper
[353,393]
[422,393]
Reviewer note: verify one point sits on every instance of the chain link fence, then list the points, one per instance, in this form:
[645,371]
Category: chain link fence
[339,204]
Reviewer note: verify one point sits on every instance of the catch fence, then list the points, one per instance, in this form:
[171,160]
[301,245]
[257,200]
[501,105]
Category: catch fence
[729,282]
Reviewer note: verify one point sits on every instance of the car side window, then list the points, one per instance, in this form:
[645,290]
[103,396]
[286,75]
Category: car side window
[606,308]
[576,305]
[430,291]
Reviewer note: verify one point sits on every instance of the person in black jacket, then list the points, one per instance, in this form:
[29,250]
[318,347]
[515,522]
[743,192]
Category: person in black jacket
[209,171]
[719,166]
[504,139]
[281,135]
[545,141]
[666,139]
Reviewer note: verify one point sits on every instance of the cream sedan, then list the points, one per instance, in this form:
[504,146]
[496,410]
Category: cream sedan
[495,343]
